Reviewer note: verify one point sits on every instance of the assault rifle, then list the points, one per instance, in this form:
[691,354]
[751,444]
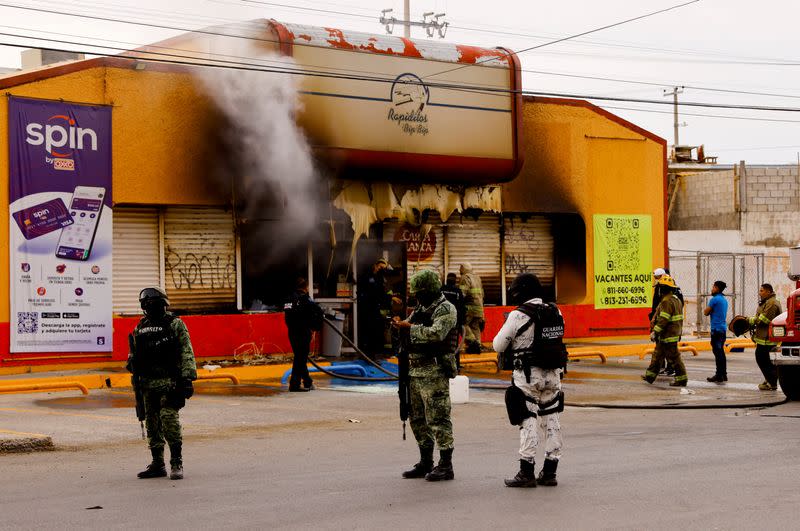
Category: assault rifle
[400,343]
[135,383]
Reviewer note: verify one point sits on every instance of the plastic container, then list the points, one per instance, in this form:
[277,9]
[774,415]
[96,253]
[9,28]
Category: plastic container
[331,344]
[459,389]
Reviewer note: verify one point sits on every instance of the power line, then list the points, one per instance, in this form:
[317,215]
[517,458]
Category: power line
[745,118]
[562,39]
[192,61]
[655,84]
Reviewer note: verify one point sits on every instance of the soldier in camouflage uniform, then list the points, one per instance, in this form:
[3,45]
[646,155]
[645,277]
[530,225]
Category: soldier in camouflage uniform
[163,367]
[432,342]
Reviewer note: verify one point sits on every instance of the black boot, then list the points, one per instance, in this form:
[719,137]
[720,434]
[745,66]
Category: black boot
[547,476]
[424,466]
[444,470]
[156,469]
[525,478]
[175,461]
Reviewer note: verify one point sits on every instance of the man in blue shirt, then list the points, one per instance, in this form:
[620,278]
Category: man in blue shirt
[718,310]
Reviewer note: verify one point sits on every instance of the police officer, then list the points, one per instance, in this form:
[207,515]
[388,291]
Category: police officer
[768,309]
[431,352]
[163,367]
[665,330]
[531,342]
[302,316]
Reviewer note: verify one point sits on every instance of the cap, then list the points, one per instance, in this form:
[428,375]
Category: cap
[384,261]
[658,272]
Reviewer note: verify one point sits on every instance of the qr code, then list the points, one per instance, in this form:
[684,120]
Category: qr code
[622,236]
[27,322]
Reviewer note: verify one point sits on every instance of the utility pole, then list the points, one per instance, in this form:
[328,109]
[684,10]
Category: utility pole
[674,93]
[431,23]
[407,19]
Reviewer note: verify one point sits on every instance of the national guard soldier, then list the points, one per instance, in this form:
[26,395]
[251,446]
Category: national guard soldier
[531,343]
[431,351]
[163,367]
[666,327]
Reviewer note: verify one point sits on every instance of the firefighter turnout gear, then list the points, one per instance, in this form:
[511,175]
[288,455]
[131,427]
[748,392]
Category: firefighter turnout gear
[666,327]
[768,309]
[472,288]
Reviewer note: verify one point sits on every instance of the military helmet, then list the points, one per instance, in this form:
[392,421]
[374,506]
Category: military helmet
[425,280]
[524,288]
[153,292]
[666,281]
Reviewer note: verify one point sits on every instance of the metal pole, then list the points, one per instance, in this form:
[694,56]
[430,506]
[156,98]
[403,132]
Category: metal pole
[699,312]
[675,114]
[407,18]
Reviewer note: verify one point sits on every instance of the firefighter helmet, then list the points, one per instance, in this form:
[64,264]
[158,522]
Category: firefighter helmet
[666,281]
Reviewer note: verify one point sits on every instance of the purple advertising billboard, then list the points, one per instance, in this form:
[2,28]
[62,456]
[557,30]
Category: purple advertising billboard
[60,231]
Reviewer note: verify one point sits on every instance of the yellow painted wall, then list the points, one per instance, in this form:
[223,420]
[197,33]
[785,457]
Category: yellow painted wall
[160,125]
[578,160]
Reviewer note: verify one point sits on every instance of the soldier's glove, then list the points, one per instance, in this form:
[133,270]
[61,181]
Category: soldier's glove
[186,387]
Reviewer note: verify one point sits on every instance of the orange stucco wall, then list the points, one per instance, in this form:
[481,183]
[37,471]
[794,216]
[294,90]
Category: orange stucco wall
[158,122]
[580,159]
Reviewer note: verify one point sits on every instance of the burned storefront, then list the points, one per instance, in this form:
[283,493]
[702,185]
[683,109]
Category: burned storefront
[328,150]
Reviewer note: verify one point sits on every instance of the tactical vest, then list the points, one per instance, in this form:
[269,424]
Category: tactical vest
[157,350]
[547,350]
[445,347]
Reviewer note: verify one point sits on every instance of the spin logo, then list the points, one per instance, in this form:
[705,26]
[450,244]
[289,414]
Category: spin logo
[61,138]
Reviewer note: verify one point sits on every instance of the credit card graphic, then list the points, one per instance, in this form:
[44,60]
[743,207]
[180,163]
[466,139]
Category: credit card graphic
[43,218]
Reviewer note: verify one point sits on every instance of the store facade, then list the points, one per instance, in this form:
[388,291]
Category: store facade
[457,177]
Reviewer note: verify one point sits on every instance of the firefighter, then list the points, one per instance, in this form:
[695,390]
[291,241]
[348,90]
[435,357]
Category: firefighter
[768,309]
[665,330]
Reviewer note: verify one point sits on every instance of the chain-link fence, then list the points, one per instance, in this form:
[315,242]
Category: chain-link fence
[696,272]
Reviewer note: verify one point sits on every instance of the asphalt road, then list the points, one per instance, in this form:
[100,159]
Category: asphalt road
[299,461]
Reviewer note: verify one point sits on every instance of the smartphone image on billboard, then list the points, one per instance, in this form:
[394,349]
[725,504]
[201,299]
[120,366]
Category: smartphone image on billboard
[85,208]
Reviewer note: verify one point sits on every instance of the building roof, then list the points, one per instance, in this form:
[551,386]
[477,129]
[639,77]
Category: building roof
[433,50]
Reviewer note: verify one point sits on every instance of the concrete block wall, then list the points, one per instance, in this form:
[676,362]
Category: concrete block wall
[772,189]
[771,209]
[705,201]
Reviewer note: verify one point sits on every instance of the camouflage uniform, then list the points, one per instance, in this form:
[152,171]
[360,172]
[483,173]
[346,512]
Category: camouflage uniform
[158,386]
[430,387]
[432,342]
[666,327]
[470,285]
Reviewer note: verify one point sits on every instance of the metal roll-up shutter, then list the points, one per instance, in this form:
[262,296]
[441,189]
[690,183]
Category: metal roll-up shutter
[477,242]
[423,250]
[529,248]
[199,258]
[136,260]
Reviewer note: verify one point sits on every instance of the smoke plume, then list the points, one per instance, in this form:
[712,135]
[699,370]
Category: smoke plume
[266,156]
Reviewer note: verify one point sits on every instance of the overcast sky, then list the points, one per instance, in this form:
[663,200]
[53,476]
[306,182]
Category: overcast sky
[712,44]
